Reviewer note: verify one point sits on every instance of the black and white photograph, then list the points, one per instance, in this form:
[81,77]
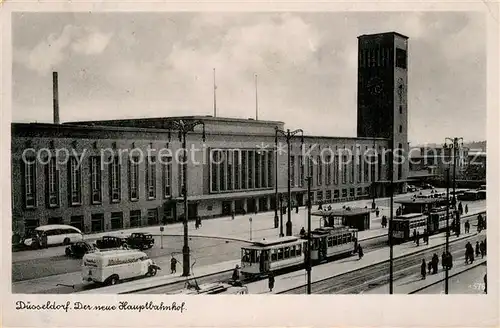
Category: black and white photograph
[164,155]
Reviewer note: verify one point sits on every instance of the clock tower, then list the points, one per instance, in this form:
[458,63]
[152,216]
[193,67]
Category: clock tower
[382,92]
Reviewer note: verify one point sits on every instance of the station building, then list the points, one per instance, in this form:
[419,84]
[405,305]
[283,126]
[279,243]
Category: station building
[116,174]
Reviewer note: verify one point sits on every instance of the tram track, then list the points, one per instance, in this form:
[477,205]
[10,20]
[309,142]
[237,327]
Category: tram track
[369,244]
[362,280]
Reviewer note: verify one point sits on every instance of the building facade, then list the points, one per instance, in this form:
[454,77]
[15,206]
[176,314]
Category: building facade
[107,175]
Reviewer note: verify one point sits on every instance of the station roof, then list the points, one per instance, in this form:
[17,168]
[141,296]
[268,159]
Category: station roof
[342,212]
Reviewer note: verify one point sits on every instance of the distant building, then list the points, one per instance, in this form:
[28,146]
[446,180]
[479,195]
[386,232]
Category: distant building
[435,160]
[116,176]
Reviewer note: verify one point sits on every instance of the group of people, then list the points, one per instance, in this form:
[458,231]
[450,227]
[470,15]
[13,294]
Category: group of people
[461,208]
[431,267]
[236,277]
[197,223]
[469,251]
[416,237]
[384,221]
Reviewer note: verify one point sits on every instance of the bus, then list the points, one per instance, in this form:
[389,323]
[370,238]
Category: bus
[54,234]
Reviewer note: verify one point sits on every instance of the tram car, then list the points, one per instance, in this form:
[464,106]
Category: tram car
[432,222]
[331,242]
[288,253]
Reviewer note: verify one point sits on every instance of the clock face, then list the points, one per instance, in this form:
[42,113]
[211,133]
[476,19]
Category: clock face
[375,85]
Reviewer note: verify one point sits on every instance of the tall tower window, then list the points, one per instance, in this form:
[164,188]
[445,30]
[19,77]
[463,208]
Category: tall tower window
[400,129]
[400,109]
[400,58]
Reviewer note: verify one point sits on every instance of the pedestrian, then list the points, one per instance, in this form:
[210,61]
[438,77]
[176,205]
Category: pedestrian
[460,208]
[271,281]
[423,267]
[435,263]
[377,212]
[466,254]
[482,249]
[466,209]
[236,273]
[485,248]
[173,265]
[297,208]
[443,260]
[164,220]
[302,231]
[414,235]
[196,224]
[426,237]
[478,251]
[418,239]
[320,207]
[449,260]
[384,221]
[360,252]
[232,215]
[466,226]
[485,284]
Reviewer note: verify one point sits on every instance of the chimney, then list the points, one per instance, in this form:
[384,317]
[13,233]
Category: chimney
[55,97]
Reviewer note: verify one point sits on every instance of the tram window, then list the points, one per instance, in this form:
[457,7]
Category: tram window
[257,257]
[287,252]
[274,255]
[299,250]
[280,254]
[246,256]
[329,240]
[334,241]
[344,238]
[293,251]
[349,238]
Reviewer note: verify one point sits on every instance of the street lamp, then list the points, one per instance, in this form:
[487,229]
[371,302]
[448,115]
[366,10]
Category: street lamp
[309,240]
[250,220]
[288,136]
[456,143]
[277,203]
[447,228]
[183,128]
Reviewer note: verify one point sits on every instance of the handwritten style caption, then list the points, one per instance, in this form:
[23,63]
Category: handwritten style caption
[120,306]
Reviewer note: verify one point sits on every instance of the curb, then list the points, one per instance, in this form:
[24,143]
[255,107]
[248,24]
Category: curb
[449,276]
[378,263]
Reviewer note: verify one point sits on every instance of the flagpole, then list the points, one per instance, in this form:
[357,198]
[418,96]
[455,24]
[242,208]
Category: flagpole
[215,97]
[256,101]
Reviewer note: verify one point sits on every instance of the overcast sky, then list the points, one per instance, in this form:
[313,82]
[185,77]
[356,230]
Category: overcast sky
[120,65]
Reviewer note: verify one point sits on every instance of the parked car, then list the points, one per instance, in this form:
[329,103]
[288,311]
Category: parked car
[427,186]
[411,188]
[79,249]
[110,242]
[140,240]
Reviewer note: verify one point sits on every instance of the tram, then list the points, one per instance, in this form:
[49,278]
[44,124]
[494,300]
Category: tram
[431,222]
[288,253]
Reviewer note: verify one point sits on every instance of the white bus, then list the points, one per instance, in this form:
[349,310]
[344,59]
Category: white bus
[109,267]
[54,234]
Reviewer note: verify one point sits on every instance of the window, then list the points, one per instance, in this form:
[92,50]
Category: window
[344,169]
[336,194]
[328,170]
[57,220]
[258,172]
[95,180]
[263,169]
[135,219]
[270,171]
[77,222]
[319,171]
[181,167]
[301,171]
[351,180]
[52,182]
[116,220]
[29,167]
[97,222]
[400,58]
[280,253]
[351,192]
[134,178]
[344,193]
[328,195]
[319,196]
[153,217]
[400,109]
[167,176]
[336,169]
[400,129]
[310,168]
[292,171]
[215,170]
[379,165]
[75,182]
[287,252]
[222,171]
[244,168]
[360,168]
[151,177]
[359,191]
[236,163]
[230,167]
[114,180]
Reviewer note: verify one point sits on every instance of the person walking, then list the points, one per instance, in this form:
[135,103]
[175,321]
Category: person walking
[435,263]
[384,221]
[418,239]
[467,226]
[232,215]
[173,265]
[429,267]
[377,212]
[449,260]
[482,249]
[297,208]
[236,273]
[485,284]
[360,252]
[478,250]
[271,281]
[460,208]
[423,267]
[415,235]
[466,209]
[443,260]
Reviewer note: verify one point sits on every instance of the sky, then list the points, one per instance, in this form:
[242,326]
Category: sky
[131,65]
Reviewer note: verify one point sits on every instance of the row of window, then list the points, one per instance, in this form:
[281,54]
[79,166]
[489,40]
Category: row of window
[233,170]
[97,222]
[334,174]
[351,192]
[52,181]
[382,57]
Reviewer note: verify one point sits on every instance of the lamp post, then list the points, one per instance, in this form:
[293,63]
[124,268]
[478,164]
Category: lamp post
[288,136]
[447,228]
[456,143]
[281,214]
[277,203]
[250,220]
[308,267]
[391,216]
[183,128]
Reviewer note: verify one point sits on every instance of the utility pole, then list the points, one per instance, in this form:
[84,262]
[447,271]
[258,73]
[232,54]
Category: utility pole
[456,143]
[276,202]
[289,135]
[391,217]
[183,128]
[447,229]
[309,241]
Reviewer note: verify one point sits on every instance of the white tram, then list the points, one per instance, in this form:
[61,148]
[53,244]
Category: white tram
[330,242]
[264,256]
[404,225]
[271,255]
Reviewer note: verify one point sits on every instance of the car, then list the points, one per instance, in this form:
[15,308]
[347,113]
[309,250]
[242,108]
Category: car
[79,249]
[110,242]
[140,240]
[411,188]
[427,186]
